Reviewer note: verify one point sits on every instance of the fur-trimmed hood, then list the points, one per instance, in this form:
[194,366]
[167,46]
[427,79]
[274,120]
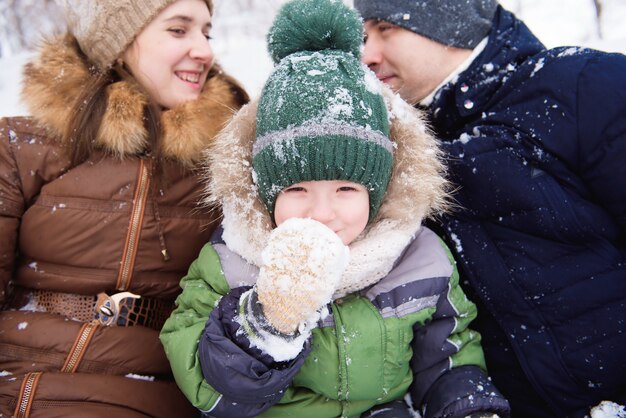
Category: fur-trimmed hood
[55,79]
[416,190]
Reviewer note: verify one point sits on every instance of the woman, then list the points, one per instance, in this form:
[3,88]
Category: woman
[98,216]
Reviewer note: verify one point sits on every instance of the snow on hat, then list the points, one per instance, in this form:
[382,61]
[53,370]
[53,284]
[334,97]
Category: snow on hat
[457,23]
[321,113]
[104,28]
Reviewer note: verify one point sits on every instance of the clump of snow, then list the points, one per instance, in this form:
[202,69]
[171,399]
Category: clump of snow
[464,138]
[372,84]
[274,345]
[457,243]
[295,59]
[570,51]
[22,326]
[409,401]
[489,67]
[32,305]
[538,66]
[340,103]
[608,409]
[400,109]
[140,377]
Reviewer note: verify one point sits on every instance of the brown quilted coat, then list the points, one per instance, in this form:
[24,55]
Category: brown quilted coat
[69,230]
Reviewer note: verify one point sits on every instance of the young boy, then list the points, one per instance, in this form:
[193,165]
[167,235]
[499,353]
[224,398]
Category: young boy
[324,295]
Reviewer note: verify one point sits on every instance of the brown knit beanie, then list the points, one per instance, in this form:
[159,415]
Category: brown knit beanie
[104,28]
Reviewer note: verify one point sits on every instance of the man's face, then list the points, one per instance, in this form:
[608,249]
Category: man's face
[411,64]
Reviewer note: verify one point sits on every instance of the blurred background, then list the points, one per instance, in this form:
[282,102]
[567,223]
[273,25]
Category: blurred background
[240,27]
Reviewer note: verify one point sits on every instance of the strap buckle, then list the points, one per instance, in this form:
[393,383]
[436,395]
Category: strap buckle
[109,309]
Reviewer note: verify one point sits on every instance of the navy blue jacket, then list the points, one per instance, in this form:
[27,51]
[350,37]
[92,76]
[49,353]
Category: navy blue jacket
[537,145]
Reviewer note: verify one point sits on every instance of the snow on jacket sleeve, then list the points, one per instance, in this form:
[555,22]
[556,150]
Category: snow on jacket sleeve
[212,362]
[448,362]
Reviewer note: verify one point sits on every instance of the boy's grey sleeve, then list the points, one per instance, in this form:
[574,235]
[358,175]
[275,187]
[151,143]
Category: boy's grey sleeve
[447,364]
[448,361]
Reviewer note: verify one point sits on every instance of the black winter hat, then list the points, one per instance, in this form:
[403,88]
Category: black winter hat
[457,23]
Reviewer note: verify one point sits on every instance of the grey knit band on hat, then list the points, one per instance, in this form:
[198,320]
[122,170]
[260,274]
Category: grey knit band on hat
[332,129]
[457,23]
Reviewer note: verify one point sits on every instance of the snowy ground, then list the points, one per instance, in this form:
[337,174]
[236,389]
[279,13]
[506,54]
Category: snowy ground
[240,43]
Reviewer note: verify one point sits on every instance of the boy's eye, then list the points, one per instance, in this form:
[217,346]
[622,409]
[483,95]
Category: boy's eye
[347,189]
[177,31]
[294,189]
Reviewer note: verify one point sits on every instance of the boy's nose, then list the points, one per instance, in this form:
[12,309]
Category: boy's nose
[322,212]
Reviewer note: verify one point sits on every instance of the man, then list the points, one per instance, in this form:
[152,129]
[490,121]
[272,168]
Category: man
[536,141]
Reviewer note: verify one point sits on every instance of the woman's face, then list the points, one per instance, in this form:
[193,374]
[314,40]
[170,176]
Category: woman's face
[171,56]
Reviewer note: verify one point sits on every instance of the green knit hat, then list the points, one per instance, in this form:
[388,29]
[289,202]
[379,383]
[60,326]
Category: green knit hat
[321,113]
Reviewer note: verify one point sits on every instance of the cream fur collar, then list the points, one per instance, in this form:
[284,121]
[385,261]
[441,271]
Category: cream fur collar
[416,190]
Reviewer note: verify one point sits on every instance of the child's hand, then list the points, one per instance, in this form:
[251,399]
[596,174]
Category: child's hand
[302,265]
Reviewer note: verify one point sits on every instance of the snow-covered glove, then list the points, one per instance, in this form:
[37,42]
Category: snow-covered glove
[302,265]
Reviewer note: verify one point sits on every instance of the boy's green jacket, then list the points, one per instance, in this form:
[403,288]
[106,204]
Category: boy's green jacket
[398,325]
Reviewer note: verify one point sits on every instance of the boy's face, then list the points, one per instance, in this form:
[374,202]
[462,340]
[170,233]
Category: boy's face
[341,205]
